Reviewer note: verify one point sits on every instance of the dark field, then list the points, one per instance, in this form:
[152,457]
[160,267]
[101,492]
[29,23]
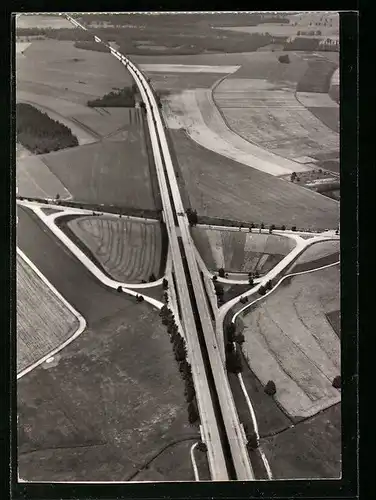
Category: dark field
[334,319]
[108,172]
[135,402]
[220,187]
[329,117]
[134,396]
[312,449]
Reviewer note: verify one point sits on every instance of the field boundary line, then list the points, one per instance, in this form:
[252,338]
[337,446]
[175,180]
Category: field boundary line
[277,285]
[90,266]
[80,318]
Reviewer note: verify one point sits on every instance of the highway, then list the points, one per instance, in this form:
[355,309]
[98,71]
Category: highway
[222,432]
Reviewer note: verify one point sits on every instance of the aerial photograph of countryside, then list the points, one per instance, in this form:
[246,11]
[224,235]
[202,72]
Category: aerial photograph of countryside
[178,246]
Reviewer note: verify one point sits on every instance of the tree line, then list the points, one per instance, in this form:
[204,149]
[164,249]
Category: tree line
[124,97]
[39,133]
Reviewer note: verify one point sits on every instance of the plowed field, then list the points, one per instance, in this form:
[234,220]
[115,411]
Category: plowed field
[128,251]
[43,321]
[290,340]
[240,252]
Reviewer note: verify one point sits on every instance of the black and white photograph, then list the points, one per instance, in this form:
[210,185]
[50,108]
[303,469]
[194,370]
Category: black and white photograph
[178,246]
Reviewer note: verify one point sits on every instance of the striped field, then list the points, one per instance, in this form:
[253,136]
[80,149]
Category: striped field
[129,251]
[240,252]
[43,321]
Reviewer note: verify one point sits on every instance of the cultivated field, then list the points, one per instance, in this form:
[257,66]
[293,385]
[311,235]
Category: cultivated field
[128,250]
[43,321]
[40,21]
[35,179]
[289,340]
[240,252]
[196,113]
[312,449]
[220,187]
[271,116]
[109,172]
[123,375]
[58,69]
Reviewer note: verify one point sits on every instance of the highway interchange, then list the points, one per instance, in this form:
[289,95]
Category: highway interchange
[221,429]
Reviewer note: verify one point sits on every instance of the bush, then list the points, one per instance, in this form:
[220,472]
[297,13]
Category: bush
[293,228]
[283,228]
[202,447]
[193,415]
[121,98]
[86,45]
[243,300]
[140,298]
[250,280]
[252,441]
[221,272]
[240,339]
[234,362]
[270,388]
[337,382]
[262,290]
[284,59]
[215,278]
[119,289]
[165,283]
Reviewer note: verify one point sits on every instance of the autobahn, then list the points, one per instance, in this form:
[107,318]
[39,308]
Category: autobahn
[222,431]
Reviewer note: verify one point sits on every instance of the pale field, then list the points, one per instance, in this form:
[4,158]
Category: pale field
[240,252]
[129,251]
[271,117]
[35,179]
[197,114]
[87,124]
[318,251]
[58,69]
[43,321]
[289,340]
[40,21]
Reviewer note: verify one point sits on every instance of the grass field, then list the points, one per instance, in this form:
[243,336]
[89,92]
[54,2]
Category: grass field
[240,252]
[289,340]
[129,251]
[43,321]
[270,116]
[35,179]
[310,450]
[196,112]
[220,187]
[109,172]
[58,69]
[122,374]
[40,21]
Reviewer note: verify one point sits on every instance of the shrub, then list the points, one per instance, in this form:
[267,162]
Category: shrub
[262,290]
[283,227]
[240,339]
[202,447]
[293,228]
[243,300]
[337,382]
[165,283]
[193,415]
[270,388]
[121,98]
[252,441]
[152,277]
[284,59]
[250,280]
[221,272]
[262,225]
[234,362]
[119,289]
[140,298]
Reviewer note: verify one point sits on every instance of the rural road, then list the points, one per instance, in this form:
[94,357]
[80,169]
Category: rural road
[222,430]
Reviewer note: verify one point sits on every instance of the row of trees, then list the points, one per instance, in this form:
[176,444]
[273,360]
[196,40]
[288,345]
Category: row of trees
[91,45]
[180,352]
[39,133]
[124,97]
